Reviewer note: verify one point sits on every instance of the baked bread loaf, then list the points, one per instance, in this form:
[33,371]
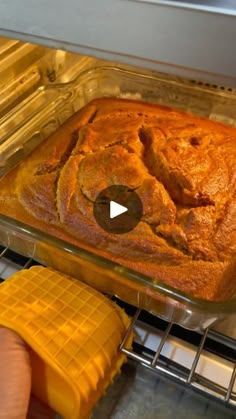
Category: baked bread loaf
[183,168]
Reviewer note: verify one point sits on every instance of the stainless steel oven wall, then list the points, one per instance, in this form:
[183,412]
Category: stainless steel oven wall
[191,38]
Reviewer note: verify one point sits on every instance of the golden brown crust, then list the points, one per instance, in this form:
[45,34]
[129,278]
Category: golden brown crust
[183,168]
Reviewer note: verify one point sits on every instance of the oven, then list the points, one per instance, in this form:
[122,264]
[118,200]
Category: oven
[56,57]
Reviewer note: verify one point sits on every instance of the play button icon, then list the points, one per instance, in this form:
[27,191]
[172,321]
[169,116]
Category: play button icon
[117,209]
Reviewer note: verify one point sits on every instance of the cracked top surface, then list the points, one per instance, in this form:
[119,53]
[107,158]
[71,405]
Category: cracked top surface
[182,167]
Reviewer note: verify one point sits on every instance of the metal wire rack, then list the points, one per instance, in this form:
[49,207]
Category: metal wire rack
[215,349]
[189,376]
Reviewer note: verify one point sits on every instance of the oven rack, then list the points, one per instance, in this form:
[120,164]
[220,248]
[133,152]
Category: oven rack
[211,350]
[188,376]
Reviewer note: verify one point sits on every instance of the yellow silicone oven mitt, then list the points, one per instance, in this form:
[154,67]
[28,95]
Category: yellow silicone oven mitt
[74,333]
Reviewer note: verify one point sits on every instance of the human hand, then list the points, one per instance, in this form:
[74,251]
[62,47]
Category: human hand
[16,401]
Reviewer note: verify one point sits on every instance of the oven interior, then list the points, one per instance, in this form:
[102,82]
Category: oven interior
[171,370]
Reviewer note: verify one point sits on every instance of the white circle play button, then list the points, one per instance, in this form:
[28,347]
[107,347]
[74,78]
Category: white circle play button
[117,209]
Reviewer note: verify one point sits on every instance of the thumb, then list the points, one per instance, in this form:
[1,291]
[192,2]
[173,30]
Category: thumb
[15,383]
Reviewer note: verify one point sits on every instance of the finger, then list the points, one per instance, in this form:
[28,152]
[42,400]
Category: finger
[15,373]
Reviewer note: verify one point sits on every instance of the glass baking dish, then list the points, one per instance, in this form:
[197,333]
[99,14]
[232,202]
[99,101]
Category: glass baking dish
[25,67]
[105,275]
